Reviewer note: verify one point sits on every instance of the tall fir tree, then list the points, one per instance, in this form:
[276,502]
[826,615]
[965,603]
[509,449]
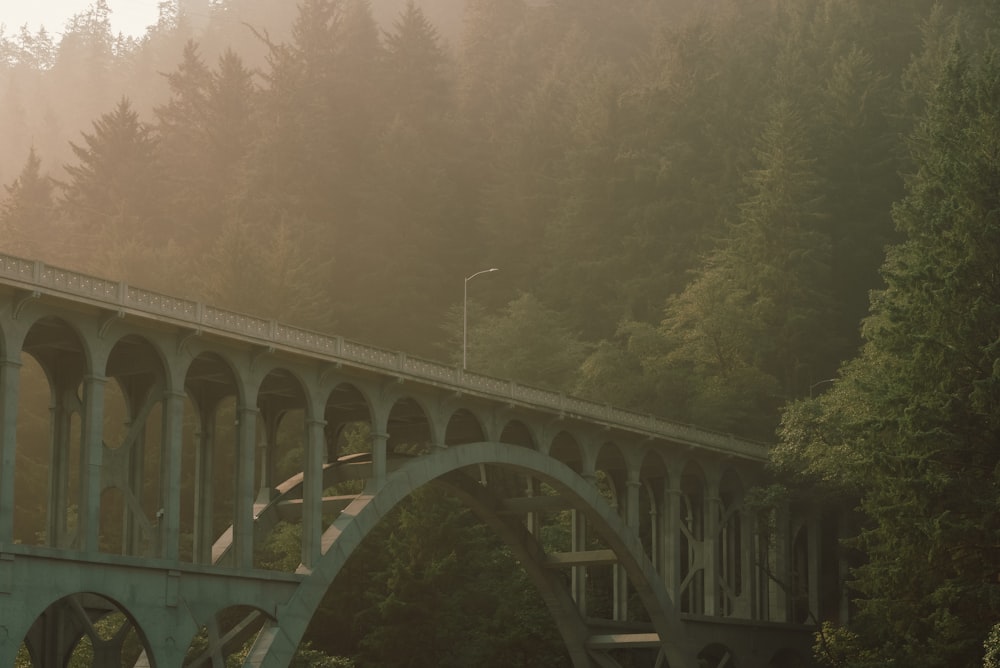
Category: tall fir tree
[28,212]
[911,426]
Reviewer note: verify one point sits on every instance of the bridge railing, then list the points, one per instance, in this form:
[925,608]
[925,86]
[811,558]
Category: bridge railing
[34,274]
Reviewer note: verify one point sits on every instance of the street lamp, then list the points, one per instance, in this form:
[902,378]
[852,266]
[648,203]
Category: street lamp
[465,311]
[818,383]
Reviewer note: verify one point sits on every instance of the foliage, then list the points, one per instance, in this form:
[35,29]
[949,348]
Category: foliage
[913,419]
[448,595]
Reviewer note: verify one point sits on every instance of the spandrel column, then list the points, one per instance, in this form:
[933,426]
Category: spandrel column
[10,373]
[91,454]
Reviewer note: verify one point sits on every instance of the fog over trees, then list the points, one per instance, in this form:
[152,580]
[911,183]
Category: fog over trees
[778,219]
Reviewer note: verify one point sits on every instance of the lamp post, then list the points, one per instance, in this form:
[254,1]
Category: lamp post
[818,383]
[465,311]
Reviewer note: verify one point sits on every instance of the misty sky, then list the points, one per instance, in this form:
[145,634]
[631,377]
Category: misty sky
[127,16]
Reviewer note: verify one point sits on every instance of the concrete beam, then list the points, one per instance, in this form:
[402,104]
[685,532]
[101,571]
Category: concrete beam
[586,558]
[623,641]
[291,510]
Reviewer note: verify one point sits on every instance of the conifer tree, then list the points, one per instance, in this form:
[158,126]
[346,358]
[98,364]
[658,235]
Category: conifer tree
[28,211]
[911,427]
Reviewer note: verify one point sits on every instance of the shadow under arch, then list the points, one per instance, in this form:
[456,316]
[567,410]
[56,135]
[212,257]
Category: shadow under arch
[85,626]
[279,638]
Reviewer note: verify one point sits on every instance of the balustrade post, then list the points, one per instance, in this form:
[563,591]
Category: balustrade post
[10,372]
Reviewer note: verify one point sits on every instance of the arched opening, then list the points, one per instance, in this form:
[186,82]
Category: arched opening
[226,638]
[516,432]
[282,435]
[463,427]
[409,429]
[49,436]
[84,630]
[348,436]
[132,492]
[33,458]
[788,658]
[350,544]
[211,387]
[716,656]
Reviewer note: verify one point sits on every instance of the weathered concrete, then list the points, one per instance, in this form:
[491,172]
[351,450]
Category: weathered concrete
[150,395]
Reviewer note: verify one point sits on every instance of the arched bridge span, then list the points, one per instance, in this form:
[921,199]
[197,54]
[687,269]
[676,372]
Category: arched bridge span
[143,438]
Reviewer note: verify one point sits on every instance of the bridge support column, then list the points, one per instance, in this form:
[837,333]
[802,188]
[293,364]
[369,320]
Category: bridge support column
[171,443]
[132,529]
[671,514]
[312,493]
[633,488]
[578,543]
[203,492]
[710,552]
[243,522]
[380,456]
[10,372]
[91,454]
[64,401]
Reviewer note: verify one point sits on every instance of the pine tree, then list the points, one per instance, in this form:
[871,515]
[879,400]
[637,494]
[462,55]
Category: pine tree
[113,201]
[912,424]
[28,211]
[749,326]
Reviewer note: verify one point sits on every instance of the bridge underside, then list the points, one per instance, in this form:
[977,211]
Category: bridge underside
[165,614]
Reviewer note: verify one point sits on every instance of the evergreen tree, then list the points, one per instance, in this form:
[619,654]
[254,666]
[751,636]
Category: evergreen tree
[447,594]
[28,211]
[750,325]
[113,201]
[912,424]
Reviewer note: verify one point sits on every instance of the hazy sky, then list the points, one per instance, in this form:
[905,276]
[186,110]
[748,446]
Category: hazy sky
[127,16]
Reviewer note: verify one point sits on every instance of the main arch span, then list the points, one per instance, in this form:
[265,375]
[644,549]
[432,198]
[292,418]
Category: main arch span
[149,445]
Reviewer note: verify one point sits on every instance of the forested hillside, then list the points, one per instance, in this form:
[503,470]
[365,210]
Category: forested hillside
[690,203]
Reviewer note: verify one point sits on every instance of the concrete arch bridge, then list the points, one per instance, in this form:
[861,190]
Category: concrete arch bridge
[149,445]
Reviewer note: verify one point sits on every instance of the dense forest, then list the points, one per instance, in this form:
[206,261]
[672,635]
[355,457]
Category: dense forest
[776,218]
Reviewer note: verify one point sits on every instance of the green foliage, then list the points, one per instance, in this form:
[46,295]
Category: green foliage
[528,342]
[448,595]
[913,421]
[991,659]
